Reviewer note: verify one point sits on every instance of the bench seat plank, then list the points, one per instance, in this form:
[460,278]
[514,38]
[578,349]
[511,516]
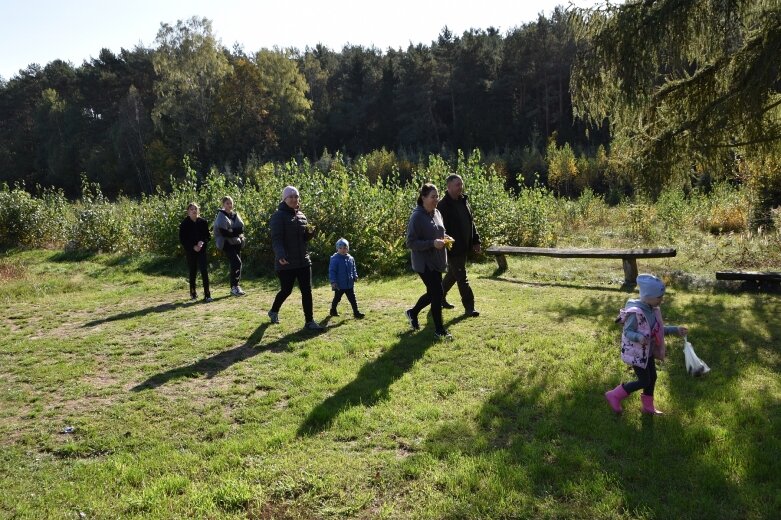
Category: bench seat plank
[582,253]
[628,256]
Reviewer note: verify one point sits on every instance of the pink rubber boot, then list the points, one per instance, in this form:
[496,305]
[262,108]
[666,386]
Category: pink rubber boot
[648,405]
[614,398]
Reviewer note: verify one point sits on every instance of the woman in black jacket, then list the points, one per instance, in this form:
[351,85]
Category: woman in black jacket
[290,232]
[194,235]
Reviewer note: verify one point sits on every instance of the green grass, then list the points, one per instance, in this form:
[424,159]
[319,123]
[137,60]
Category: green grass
[184,410]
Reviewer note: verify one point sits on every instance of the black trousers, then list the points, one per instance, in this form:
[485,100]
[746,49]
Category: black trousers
[646,379]
[197,261]
[287,279]
[433,296]
[350,293]
[232,252]
[456,273]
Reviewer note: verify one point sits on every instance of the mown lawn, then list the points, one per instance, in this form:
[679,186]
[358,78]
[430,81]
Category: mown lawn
[180,410]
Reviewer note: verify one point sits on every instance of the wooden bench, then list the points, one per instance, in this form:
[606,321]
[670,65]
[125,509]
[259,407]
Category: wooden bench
[769,278]
[628,256]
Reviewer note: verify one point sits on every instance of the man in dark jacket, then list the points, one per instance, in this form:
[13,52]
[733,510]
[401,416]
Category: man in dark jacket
[194,235]
[459,224]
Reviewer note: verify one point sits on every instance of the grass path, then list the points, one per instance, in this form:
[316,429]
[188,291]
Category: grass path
[180,410]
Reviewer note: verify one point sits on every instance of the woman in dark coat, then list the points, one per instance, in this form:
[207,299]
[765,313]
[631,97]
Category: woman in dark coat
[194,235]
[426,241]
[290,233]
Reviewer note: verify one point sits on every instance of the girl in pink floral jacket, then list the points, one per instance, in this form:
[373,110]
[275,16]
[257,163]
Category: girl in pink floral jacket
[642,342]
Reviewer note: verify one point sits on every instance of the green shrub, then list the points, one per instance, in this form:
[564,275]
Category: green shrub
[35,222]
[100,226]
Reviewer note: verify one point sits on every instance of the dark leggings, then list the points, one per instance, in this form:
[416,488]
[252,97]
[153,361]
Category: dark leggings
[646,379]
[433,296]
[456,273]
[350,293]
[197,261]
[232,252]
[287,280]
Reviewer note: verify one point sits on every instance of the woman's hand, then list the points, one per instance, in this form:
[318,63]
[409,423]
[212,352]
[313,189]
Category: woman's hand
[283,261]
[439,243]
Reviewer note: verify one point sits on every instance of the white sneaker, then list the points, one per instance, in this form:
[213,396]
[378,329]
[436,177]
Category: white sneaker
[236,291]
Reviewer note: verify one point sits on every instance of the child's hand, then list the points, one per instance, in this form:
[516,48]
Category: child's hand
[683,331]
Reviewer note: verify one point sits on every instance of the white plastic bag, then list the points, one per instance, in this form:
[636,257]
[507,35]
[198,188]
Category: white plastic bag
[694,365]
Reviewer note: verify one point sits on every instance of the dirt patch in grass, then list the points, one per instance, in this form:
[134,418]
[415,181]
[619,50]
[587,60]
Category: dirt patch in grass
[10,272]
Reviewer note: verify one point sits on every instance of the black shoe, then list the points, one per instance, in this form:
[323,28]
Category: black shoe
[443,335]
[413,320]
[334,312]
[447,305]
[359,315]
[472,314]
[193,296]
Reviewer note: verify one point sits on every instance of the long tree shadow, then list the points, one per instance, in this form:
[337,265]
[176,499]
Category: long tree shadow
[548,433]
[621,289]
[370,385]
[560,444]
[215,364]
[163,307]
[712,324]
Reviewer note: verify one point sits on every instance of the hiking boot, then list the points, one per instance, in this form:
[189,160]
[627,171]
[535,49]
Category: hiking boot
[473,313]
[334,312]
[413,320]
[313,325]
[208,299]
[359,315]
[274,316]
[447,305]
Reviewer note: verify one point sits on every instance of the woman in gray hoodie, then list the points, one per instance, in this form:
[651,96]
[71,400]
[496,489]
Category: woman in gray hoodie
[229,238]
[426,240]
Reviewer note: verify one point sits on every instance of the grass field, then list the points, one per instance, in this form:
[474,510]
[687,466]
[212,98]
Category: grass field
[119,398]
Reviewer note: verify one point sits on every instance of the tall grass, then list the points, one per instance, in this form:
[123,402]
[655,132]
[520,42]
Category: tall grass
[342,200]
[368,201]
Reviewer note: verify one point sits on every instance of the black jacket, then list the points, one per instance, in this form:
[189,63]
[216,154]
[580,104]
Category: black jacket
[459,224]
[190,233]
[289,236]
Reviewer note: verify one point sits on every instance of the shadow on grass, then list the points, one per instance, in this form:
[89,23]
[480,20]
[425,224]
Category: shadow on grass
[714,326]
[215,364]
[372,382]
[623,289]
[561,446]
[72,256]
[163,307]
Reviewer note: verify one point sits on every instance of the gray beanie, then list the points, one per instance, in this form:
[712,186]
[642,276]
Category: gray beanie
[288,191]
[342,242]
[650,286]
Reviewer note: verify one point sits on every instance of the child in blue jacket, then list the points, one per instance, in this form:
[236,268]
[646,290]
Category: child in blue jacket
[342,273]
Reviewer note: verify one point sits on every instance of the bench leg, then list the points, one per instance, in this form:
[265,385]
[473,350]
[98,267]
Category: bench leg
[501,260]
[630,271]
